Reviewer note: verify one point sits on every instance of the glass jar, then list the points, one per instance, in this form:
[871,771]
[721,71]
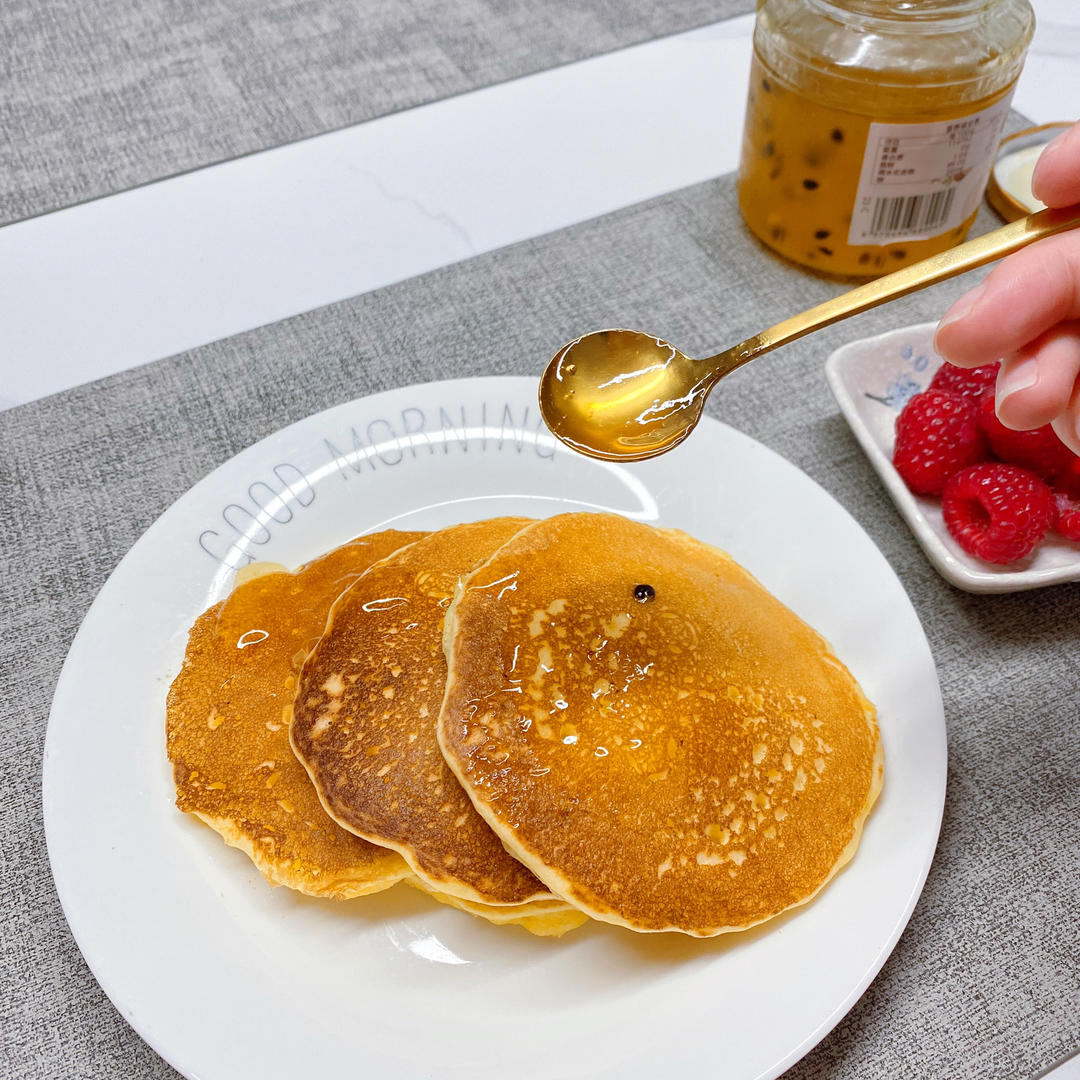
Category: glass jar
[871,125]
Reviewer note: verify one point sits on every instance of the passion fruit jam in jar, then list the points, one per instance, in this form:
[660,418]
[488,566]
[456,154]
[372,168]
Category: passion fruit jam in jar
[872,125]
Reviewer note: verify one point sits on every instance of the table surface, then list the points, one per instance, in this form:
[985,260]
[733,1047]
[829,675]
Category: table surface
[98,288]
[116,282]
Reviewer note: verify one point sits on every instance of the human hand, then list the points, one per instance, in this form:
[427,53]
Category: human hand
[1027,312]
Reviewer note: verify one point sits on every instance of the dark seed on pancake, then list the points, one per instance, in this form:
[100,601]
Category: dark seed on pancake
[644,593]
[697,766]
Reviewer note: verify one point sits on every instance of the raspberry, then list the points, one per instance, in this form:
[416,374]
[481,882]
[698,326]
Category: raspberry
[937,433]
[1039,449]
[967,382]
[997,512]
[1068,515]
[1068,480]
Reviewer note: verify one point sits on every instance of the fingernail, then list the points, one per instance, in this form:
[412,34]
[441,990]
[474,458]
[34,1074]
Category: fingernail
[1051,150]
[1016,375]
[1068,431]
[962,308]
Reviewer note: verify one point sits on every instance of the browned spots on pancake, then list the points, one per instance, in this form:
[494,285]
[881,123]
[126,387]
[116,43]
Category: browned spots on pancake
[227,727]
[365,712]
[700,762]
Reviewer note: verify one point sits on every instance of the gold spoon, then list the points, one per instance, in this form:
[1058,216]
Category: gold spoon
[623,395]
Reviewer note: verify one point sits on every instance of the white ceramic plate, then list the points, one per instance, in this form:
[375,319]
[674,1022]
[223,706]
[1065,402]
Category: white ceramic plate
[872,379]
[229,979]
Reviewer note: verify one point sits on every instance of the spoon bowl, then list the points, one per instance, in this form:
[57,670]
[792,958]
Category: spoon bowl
[624,395]
[627,414]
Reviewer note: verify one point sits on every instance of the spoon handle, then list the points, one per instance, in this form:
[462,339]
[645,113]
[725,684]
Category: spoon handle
[967,256]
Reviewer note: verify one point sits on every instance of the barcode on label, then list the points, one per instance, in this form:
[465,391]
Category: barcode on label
[906,215]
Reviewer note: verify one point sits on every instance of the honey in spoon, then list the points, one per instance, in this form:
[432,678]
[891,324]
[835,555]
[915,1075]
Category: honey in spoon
[624,395]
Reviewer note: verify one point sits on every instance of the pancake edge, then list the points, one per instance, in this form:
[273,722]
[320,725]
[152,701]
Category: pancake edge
[340,886]
[563,887]
[454,889]
[543,918]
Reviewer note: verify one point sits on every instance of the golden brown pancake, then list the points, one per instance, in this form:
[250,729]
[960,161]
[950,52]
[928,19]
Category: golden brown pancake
[695,760]
[364,720]
[227,728]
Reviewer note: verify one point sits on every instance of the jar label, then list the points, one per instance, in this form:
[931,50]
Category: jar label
[921,180]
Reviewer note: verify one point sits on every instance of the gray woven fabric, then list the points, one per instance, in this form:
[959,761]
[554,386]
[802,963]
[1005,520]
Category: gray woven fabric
[98,96]
[985,983]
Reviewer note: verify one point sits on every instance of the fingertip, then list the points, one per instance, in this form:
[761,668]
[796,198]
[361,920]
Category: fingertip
[1056,179]
[1024,296]
[1067,428]
[1039,383]
[951,336]
[1030,408]
[943,342]
[942,349]
[1067,423]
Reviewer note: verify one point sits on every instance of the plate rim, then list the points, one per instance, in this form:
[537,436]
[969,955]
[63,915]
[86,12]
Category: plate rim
[120,998]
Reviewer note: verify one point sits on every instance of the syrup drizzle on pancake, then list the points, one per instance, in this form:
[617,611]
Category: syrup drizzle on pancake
[697,762]
[227,726]
[365,712]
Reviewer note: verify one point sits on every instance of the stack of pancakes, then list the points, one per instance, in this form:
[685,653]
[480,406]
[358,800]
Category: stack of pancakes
[533,721]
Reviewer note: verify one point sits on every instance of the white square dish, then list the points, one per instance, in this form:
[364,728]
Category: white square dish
[872,379]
